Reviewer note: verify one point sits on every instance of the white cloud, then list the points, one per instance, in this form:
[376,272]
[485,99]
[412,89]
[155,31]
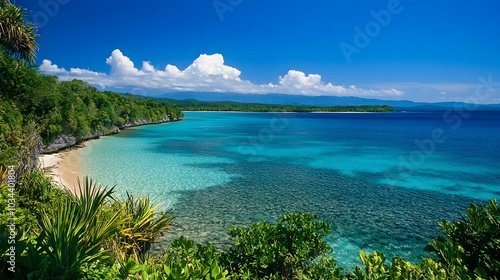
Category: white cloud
[298,82]
[48,67]
[207,73]
[172,70]
[121,65]
[212,65]
[147,67]
[95,78]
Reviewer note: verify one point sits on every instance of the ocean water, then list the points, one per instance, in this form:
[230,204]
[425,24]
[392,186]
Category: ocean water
[383,180]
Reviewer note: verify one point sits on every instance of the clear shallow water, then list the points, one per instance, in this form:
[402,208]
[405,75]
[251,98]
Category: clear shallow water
[383,180]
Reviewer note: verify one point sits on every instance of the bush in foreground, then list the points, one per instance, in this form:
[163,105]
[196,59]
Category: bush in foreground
[291,248]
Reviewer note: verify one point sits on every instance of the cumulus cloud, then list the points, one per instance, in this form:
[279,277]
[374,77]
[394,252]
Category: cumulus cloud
[121,65]
[298,82]
[49,68]
[207,73]
[206,65]
[95,78]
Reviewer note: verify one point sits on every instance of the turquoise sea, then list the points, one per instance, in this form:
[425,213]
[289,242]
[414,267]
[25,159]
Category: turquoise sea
[383,179]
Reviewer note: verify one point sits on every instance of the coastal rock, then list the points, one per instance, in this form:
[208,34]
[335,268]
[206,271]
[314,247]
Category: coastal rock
[99,133]
[143,122]
[59,143]
[64,141]
[134,123]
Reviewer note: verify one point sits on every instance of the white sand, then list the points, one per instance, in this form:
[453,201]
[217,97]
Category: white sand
[64,167]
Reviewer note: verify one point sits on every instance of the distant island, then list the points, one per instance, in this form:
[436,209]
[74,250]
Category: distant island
[196,105]
[321,101]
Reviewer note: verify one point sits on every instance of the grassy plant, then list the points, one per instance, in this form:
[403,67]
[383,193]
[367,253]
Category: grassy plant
[75,233]
[3,174]
[38,194]
[141,226]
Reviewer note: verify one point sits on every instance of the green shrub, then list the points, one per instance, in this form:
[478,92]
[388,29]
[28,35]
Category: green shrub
[474,241]
[187,260]
[376,267]
[11,136]
[291,248]
[38,194]
[184,261]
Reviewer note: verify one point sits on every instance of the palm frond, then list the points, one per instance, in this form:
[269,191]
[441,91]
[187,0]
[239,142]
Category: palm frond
[3,174]
[17,36]
[141,227]
[77,232]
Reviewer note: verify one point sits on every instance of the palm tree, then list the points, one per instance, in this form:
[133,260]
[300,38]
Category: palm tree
[17,36]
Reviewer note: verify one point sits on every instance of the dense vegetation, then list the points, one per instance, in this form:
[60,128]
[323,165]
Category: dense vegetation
[72,107]
[47,232]
[196,105]
[33,104]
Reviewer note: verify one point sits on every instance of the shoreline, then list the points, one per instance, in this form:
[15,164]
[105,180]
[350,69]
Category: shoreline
[64,167]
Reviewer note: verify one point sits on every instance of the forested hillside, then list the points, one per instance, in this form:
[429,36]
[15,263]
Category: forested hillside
[71,108]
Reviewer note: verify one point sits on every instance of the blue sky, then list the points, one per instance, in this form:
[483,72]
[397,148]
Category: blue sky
[407,49]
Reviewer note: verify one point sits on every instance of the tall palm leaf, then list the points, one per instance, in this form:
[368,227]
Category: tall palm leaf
[3,174]
[17,36]
[141,225]
[75,234]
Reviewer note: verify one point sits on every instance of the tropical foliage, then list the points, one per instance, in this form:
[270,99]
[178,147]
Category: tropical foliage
[140,225]
[17,36]
[473,242]
[73,108]
[292,248]
[75,233]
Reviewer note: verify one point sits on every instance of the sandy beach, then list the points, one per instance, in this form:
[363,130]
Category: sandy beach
[64,167]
